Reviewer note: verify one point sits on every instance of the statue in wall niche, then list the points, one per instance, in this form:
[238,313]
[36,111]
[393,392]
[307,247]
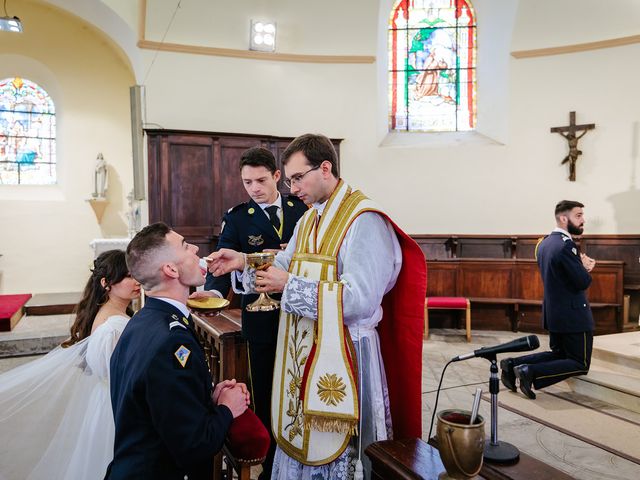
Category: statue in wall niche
[100,178]
[569,132]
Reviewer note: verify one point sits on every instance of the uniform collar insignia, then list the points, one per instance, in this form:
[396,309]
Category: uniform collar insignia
[185,320]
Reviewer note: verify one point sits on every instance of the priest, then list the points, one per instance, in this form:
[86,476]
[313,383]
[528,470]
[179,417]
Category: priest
[348,364]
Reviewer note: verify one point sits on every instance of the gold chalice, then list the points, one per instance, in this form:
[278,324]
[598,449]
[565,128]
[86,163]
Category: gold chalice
[262,261]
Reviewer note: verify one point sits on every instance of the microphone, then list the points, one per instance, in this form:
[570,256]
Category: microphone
[523,344]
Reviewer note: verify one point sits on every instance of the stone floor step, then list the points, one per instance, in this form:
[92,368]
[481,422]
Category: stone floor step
[35,335]
[607,386]
[620,350]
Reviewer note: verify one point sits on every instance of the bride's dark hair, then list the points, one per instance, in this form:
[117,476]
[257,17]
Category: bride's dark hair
[110,265]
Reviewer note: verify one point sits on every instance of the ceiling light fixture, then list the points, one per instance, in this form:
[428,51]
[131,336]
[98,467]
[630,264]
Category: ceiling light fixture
[10,24]
[262,36]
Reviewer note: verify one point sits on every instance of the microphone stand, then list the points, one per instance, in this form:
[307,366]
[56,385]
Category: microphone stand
[494,450]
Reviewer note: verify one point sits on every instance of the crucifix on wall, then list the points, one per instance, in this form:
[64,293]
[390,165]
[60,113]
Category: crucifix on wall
[569,132]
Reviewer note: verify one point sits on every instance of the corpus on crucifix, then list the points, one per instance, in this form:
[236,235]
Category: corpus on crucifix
[569,132]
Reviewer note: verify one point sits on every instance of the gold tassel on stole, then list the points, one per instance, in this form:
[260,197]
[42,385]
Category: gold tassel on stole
[326,424]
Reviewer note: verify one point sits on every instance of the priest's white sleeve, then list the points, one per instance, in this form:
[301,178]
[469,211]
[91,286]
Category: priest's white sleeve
[369,262]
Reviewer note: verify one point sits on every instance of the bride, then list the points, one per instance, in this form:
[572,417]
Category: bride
[55,412]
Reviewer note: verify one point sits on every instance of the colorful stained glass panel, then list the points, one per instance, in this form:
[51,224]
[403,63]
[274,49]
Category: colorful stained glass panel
[432,79]
[27,134]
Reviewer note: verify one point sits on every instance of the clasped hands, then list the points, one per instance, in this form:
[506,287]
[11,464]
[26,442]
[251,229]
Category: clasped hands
[234,395]
[226,260]
[587,262]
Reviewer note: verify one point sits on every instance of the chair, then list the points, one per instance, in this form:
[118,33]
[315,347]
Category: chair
[447,303]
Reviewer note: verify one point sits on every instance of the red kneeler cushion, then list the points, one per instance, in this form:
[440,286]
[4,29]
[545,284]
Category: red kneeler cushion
[247,438]
[446,302]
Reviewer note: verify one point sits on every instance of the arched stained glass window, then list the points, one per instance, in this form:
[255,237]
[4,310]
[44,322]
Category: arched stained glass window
[27,134]
[432,66]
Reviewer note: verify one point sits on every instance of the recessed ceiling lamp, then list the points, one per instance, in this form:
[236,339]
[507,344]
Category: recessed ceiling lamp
[10,24]
[262,36]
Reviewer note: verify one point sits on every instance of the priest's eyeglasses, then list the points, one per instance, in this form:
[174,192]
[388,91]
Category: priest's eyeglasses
[297,178]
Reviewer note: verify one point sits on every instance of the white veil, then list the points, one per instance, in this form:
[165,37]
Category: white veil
[55,414]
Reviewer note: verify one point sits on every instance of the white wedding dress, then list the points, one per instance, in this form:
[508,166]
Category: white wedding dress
[56,420]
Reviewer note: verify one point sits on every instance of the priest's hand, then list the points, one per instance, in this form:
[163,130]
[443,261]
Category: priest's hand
[224,261]
[271,280]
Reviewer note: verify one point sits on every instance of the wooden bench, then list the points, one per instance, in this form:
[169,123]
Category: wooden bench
[507,293]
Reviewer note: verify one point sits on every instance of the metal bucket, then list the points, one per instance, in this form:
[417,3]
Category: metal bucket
[461,445]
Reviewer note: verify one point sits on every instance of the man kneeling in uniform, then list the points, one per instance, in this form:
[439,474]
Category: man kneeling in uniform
[565,309]
[169,422]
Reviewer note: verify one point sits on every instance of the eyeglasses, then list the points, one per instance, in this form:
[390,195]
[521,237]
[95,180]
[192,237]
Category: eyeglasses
[297,178]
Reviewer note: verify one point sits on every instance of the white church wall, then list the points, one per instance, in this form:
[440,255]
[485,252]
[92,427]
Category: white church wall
[46,230]
[506,180]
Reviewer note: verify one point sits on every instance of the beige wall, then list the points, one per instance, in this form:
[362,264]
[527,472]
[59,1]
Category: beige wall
[504,178]
[46,230]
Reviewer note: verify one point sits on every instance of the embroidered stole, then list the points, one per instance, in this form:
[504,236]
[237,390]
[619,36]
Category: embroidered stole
[314,403]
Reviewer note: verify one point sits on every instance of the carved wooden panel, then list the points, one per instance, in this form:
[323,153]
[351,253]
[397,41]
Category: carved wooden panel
[476,280]
[484,248]
[528,283]
[442,280]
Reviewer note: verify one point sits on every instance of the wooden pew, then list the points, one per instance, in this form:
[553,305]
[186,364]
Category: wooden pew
[506,294]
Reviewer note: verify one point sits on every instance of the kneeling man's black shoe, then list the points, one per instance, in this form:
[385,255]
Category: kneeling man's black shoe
[508,377]
[526,380]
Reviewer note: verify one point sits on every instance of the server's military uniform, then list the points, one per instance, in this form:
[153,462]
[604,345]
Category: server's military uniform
[167,426]
[246,228]
[566,314]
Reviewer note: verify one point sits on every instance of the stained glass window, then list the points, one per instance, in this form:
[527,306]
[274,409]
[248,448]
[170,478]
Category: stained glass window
[432,66]
[27,134]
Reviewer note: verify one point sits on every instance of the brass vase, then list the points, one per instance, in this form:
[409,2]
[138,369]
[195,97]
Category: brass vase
[461,445]
[262,261]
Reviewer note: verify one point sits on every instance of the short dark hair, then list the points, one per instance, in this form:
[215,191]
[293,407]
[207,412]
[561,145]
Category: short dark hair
[258,157]
[564,206]
[141,253]
[317,148]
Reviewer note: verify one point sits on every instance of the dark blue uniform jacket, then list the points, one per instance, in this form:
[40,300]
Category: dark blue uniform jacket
[167,426]
[565,308]
[247,229]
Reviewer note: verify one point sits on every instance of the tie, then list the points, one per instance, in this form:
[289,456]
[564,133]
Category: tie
[272,210]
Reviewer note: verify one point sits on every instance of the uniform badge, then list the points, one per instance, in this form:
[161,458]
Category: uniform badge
[255,240]
[575,252]
[185,320]
[290,203]
[182,354]
[174,316]
[251,210]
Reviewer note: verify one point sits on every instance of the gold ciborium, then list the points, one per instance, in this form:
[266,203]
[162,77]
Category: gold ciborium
[262,261]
